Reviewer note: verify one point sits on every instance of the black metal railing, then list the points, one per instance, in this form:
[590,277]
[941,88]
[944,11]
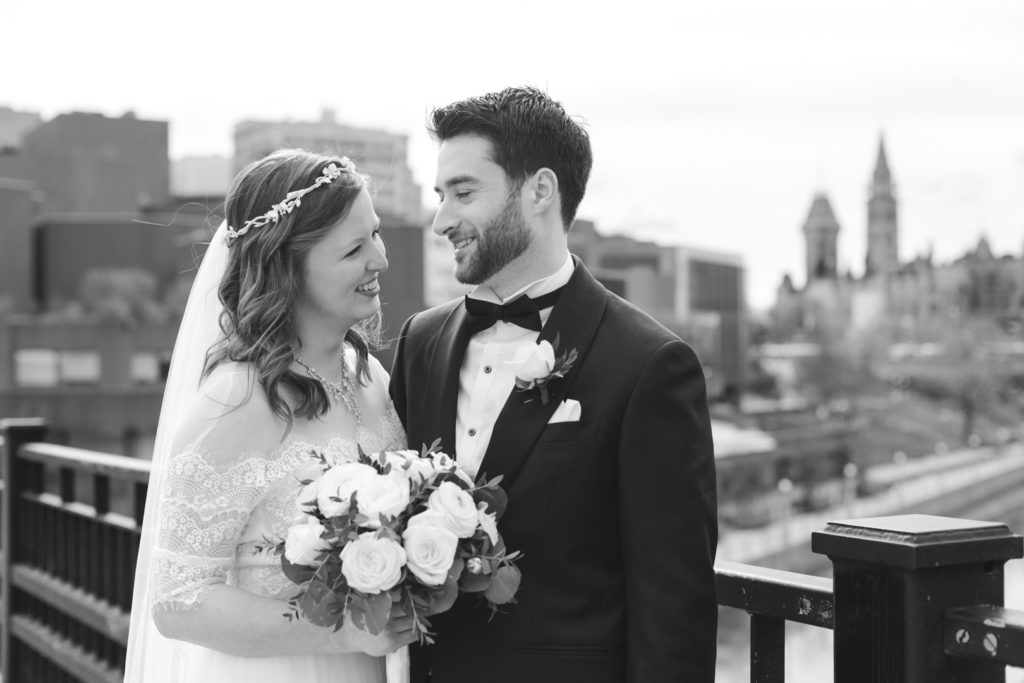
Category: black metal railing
[913,598]
[772,597]
[69,557]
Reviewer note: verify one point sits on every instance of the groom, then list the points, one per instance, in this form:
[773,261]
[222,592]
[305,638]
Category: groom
[609,469]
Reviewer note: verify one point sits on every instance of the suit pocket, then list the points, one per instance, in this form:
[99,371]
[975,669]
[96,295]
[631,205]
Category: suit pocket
[570,431]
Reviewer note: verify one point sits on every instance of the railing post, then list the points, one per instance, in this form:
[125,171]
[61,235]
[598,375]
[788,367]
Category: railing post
[895,577]
[15,432]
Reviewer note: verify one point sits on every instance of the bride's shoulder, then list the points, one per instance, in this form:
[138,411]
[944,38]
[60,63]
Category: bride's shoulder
[232,385]
[230,407]
[375,391]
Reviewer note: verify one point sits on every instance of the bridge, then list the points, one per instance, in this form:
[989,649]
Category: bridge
[913,599]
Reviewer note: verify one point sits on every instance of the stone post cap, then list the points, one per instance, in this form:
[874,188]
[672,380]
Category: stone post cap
[915,542]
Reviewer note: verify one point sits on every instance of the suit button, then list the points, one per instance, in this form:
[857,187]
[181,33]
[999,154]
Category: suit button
[487,369]
[472,431]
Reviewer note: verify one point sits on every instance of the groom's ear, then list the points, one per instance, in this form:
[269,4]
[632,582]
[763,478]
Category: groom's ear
[542,190]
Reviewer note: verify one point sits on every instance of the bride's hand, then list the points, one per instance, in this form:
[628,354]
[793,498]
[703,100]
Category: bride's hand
[397,633]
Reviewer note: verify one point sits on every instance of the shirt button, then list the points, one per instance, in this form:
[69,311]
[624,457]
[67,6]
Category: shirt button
[472,431]
[487,369]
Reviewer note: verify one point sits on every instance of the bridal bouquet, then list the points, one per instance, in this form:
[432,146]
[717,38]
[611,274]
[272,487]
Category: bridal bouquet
[398,529]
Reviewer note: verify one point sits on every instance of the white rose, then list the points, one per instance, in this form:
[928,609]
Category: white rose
[421,469]
[371,564]
[382,495]
[341,481]
[442,461]
[457,508]
[303,543]
[398,459]
[535,363]
[430,547]
[427,518]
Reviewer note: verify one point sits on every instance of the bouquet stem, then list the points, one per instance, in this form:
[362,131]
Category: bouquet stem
[397,665]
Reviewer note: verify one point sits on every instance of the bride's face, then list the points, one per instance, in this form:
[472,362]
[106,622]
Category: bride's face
[341,270]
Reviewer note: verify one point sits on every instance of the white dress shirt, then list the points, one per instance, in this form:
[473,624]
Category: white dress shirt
[487,375]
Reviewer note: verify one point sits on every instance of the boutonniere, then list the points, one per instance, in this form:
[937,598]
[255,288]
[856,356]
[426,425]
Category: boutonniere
[536,367]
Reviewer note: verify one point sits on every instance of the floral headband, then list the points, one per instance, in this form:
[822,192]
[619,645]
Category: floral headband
[292,200]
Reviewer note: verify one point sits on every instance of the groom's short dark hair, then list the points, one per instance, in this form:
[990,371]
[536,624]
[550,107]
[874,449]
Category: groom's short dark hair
[528,131]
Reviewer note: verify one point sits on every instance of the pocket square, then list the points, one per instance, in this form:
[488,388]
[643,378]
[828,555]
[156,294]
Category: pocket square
[568,410]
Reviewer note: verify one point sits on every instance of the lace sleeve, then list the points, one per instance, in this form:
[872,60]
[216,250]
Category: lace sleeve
[212,482]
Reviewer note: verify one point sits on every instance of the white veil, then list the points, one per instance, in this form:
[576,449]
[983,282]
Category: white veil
[149,653]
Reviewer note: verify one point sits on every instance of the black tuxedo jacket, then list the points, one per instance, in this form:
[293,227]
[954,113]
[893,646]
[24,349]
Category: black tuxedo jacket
[615,514]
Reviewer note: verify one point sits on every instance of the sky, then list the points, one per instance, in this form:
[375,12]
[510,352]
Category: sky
[713,124]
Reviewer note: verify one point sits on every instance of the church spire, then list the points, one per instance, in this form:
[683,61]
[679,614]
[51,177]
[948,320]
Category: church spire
[882,175]
[883,227]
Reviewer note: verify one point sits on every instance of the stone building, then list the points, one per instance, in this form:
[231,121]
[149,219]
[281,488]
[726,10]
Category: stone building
[891,292]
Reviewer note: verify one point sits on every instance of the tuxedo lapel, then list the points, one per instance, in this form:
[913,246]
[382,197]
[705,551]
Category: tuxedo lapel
[445,364]
[574,321]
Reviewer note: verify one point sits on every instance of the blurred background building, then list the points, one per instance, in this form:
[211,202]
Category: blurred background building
[382,155]
[14,124]
[698,294]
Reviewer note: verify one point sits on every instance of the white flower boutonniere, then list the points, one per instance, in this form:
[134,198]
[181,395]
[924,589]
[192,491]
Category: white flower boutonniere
[536,367]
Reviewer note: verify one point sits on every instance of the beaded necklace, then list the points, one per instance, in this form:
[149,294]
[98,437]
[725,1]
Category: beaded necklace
[343,392]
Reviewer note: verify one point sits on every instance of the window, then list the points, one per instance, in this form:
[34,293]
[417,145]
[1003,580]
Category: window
[145,367]
[36,368]
[80,367]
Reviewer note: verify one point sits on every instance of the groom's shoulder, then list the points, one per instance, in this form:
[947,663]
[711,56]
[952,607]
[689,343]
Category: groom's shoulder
[431,318]
[634,323]
[640,338]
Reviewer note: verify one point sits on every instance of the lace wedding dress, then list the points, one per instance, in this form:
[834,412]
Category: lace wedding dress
[228,493]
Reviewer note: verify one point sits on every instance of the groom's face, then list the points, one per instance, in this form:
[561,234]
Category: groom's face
[479,210]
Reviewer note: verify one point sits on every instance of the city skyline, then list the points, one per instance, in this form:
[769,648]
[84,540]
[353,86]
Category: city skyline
[713,127]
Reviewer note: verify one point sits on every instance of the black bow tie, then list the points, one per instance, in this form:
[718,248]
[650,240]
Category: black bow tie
[522,311]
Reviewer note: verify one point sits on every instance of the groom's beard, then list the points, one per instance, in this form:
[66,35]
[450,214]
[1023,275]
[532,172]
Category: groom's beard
[504,239]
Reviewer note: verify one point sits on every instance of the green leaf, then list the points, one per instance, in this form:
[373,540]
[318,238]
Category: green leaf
[296,573]
[494,496]
[434,447]
[503,586]
[474,583]
[445,597]
[422,598]
[452,477]
[371,612]
[319,604]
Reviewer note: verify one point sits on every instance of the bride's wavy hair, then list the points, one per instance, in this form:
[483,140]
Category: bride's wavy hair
[265,277]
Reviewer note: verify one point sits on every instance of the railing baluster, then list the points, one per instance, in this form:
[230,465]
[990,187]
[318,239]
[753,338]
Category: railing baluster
[139,502]
[67,484]
[767,649]
[101,493]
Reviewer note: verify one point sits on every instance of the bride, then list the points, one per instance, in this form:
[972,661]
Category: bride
[270,368]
